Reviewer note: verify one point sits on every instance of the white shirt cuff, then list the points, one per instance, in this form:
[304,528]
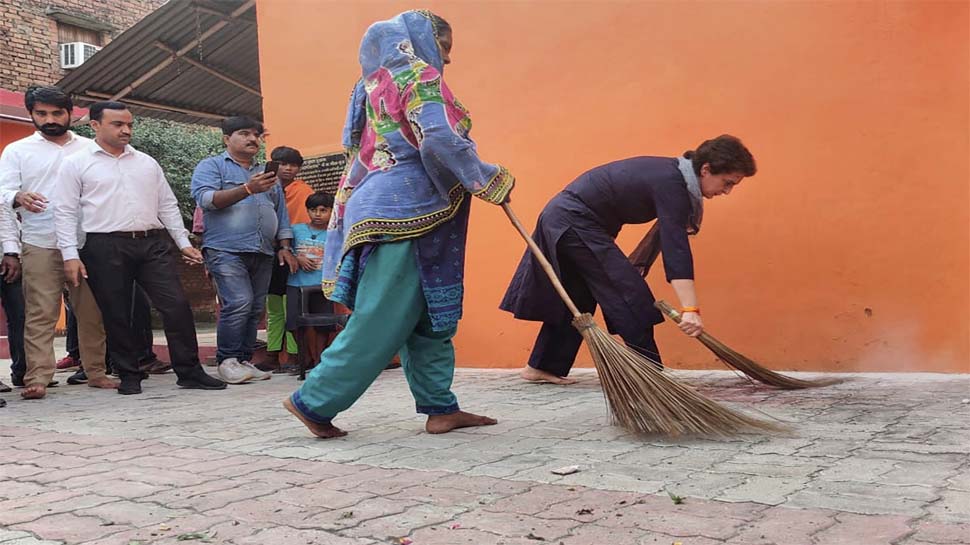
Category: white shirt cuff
[11,247]
[69,253]
[183,241]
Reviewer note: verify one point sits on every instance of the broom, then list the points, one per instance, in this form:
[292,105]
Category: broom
[643,257]
[743,363]
[641,398]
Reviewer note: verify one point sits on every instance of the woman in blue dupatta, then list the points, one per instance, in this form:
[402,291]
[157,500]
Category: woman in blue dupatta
[395,246]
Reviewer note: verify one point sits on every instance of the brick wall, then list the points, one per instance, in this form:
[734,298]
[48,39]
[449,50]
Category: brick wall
[29,35]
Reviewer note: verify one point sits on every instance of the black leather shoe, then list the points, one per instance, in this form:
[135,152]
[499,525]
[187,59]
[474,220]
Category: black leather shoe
[130,385]
[78,378]
[4,387]
[3,402]
[198,379]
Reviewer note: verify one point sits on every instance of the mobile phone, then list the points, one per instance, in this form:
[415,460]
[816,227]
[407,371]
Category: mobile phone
[272,167]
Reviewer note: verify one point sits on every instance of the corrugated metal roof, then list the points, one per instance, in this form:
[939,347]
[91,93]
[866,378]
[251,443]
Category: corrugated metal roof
[233,51]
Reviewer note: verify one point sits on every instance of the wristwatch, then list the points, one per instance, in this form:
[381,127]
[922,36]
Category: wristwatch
[11,254]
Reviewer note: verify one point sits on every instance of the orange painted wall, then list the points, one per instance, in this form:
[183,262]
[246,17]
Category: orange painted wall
[856,112]
[11,131]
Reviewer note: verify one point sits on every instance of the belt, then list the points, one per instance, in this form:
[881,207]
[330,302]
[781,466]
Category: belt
[132,234]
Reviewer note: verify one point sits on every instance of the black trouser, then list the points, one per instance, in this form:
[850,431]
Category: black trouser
[141,322]
[114,263]
[12,298]
[587,283]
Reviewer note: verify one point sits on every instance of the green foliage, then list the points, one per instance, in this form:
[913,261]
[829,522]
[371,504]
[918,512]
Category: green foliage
[177,147]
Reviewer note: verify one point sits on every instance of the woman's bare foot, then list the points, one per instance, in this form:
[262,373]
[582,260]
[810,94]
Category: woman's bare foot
[443,423]
[34,392]
[323,431]
[103,382]
[532,374]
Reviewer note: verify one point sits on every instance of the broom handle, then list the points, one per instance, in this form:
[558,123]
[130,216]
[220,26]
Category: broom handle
[546,266]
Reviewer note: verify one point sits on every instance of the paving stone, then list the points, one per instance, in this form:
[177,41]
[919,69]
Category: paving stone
[588,534]
[941,532]
[866,505]
[706,485]
[425,493]
[785,526]
[919,474]
[132,514]
[60,475]
[850,528]
[109,485]
[867,470]
[539,498]
[481,485]
[768,490]
[516,525]
[8,535]
[354,515]
[960,481]
[444,535]
[290,535]
[954,506]
[68,527]
[32,541]
[882,448]
[511,465]
[318,495]
[33,507]
[402,524]
[10,489]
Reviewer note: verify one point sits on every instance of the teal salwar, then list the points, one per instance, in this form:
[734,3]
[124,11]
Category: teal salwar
[390,316]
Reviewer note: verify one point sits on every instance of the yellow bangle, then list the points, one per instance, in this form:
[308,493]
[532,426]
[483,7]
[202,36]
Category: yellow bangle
[246,187]
[690,309]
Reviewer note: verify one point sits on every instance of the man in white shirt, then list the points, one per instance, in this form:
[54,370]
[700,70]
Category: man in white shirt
[27,179]
[130,217]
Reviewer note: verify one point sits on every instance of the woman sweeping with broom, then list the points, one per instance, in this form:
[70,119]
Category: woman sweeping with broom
[577,231]
[396,241]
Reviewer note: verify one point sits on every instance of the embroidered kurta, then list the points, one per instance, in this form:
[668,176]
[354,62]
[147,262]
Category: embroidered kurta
[411,168]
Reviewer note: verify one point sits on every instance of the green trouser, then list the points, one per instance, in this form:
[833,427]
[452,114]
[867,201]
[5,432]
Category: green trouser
[390,316]
[276,325]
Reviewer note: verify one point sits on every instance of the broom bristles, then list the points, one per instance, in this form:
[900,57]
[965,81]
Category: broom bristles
[644,400]
[746,365]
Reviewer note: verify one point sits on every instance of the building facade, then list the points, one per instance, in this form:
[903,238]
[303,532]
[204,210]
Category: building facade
[848,251]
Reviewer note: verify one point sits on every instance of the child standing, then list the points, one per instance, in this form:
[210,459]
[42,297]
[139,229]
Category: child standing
[308,242]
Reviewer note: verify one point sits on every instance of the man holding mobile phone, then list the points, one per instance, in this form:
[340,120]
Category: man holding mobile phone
[246,229]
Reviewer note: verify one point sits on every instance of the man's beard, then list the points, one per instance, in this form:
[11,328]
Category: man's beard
[52,129]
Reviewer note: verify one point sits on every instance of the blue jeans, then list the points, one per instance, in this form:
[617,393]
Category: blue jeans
[242,280]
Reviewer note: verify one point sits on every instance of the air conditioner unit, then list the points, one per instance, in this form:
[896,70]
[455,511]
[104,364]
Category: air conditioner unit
[73,54]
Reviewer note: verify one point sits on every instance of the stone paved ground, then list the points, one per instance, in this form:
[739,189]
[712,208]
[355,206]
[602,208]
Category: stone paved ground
[880,459]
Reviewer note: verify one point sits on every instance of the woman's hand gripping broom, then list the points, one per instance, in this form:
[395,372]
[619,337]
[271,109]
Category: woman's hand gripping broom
[641,398]
[742,363]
